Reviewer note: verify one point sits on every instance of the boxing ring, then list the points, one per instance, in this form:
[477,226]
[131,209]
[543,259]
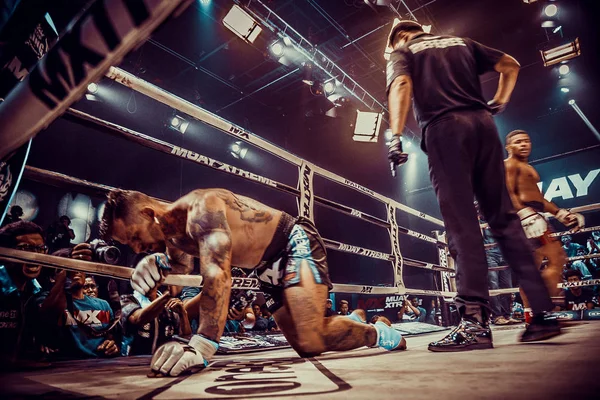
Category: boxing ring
[281,373]
[304,193]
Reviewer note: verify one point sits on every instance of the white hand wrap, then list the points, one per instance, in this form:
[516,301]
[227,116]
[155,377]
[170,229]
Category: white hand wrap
[570,220]
[533,223]
[146,275]
[174,358]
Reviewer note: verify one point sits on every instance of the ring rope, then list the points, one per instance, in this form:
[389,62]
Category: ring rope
[114,271]
[169,99]
[100,190]
[168,148]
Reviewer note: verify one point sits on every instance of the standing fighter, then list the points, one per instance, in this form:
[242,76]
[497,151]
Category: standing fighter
[465,161]
[220,228]
[521,181]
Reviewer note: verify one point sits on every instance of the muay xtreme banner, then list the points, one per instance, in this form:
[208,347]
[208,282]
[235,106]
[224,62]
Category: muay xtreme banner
[101,37]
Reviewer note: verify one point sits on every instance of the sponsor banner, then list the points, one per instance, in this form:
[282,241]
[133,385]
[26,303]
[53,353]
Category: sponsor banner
[306,199]
[251,341]
[396,254]
[587,282]
[204,160]
[421,236]
[11,171]
[362,251]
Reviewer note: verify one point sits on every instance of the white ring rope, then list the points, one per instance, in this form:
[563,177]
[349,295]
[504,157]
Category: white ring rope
[171,149]
[215,121]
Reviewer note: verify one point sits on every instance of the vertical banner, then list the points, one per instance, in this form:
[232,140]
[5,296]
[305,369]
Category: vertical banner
[306,200]
[443,259]
[394,239]
[11,171]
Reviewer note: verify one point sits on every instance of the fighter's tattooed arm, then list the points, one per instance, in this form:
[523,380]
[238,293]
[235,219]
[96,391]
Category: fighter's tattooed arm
[247,211]
[181,263]
[208,225]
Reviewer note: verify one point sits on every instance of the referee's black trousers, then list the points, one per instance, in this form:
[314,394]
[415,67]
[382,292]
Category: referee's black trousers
[466,162]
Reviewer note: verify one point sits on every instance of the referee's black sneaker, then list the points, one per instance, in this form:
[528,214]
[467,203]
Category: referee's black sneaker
[543,326]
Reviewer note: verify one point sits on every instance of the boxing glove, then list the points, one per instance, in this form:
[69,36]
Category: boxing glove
[533,223]
[147,274]
[396,155]
[569,219]
[173,358]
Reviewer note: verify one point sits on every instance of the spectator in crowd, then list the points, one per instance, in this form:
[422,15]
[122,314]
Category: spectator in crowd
[271,324]
[580,265]
[329,308]
[240,315]
[414,311]
[261,323]
[593,266]
[90,288]
[150,321]
[190,296]
[14,215]
[87,325]
[19,293]
[518,312]
[569,246]
[578,297]
[434,314]
[344,308]
[59,234]
[593,243]
[497,279]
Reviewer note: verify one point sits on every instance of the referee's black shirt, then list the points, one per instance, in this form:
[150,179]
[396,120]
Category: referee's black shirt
[445,73]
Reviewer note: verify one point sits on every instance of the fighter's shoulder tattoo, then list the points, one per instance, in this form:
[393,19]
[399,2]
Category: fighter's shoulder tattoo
[248,212]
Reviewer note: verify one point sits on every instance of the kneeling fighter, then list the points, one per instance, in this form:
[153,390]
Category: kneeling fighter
[286,254]
[521,181]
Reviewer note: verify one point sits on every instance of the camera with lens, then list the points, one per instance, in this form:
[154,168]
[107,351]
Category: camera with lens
[243,299]
[103,252]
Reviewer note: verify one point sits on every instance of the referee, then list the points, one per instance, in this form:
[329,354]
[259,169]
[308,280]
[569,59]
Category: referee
[465,155]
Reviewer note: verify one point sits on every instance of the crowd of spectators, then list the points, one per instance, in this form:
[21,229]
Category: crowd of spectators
[48,314]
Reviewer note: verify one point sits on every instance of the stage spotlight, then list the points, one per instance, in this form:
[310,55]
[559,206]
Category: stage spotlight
[550,10]
[277,49]
[561,53]
[287,41]
[329,87]
[564,89]
[558,28]
[571,102]
[238,150]
[242,24]
[564,69]
[205,2]
[367,126]
[179,124]
[92,88]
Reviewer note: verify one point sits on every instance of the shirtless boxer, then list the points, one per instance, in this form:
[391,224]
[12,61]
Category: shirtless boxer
[286,254]
[521,180]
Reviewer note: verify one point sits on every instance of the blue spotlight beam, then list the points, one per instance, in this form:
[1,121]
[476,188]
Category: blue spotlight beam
[586,120]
